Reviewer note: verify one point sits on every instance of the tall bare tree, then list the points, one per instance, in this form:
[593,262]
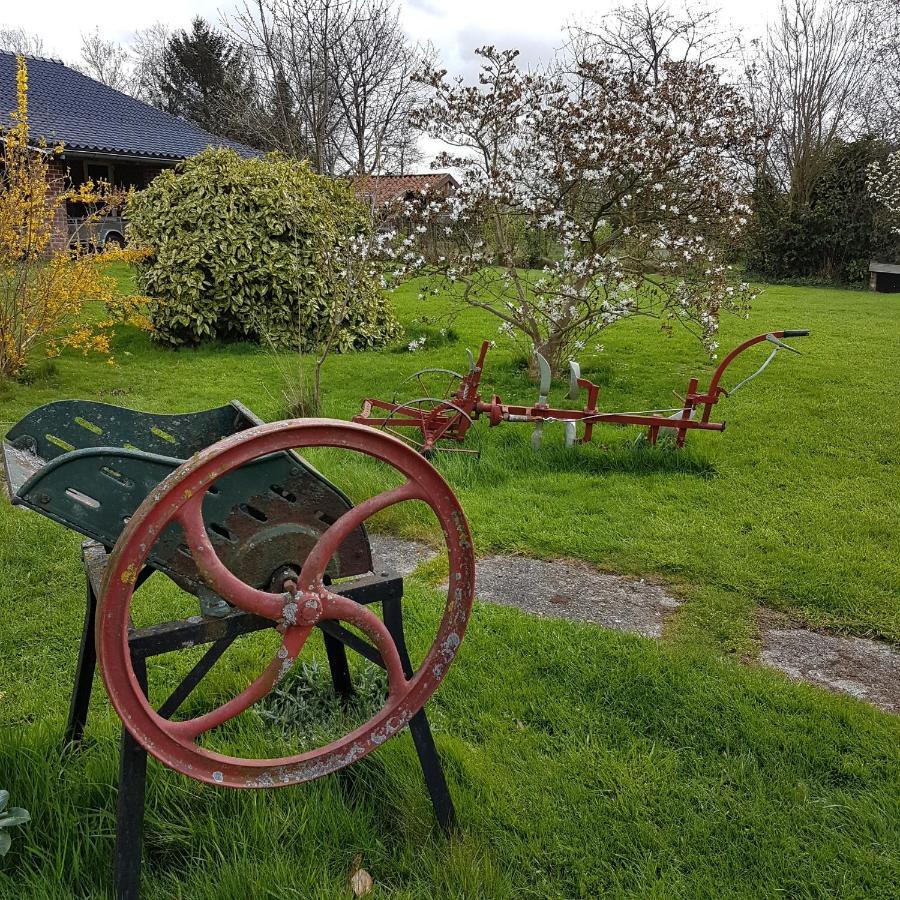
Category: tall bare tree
[106,61]
[293,43]
[376,65]
[18,40]
[645,35]
[338,79]
[806,85]
[148,53]
[883,47]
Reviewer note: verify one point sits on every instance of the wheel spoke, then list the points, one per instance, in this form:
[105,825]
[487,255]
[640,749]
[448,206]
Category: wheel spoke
[294,639]
[403,437]
[314,568]
[225,583]
[449,388]
[346,610]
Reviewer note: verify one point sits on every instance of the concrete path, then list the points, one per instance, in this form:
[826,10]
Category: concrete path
[866,669]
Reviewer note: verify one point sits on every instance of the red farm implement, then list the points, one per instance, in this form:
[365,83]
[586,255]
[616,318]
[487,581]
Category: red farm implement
[449,404]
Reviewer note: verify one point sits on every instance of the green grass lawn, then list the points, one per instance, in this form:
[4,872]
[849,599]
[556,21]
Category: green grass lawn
[583,763]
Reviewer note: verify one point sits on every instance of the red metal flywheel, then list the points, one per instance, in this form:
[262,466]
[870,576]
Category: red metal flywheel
[180,498]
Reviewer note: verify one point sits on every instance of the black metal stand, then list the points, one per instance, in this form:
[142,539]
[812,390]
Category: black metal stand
[220,633]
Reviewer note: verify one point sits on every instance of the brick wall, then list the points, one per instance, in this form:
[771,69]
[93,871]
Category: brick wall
[150,172]
[57,173]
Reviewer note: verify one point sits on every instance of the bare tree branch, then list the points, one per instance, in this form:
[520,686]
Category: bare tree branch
[18,40]
[806,87]
[645,35]
[338,79]
[106,61]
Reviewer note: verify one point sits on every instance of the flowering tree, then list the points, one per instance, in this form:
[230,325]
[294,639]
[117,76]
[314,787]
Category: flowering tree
[43,293]
[586,197]
[884,187]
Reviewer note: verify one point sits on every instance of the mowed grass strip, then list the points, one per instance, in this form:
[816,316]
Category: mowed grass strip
[793,506]
[582,762]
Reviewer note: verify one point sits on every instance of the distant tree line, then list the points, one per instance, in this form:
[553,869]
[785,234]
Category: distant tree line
[823,87]
[339,83]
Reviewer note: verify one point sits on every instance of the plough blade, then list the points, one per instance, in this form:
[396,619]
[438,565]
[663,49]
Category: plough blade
[546,379]
[574,375]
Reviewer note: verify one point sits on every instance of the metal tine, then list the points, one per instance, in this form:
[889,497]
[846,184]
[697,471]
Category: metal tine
[471,357]
[571,431]
[543,393]
[574,375]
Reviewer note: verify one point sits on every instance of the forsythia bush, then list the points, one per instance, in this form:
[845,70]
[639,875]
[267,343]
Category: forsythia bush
[256,249]
[43,293]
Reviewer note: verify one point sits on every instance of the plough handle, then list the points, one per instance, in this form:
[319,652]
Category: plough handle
[714,388]
[712,394]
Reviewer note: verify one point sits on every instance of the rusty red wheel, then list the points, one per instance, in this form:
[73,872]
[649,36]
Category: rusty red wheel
[295,612]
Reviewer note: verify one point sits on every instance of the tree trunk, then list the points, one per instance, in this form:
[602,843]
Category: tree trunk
[554,351]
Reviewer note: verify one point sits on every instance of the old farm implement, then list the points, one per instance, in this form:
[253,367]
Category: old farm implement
[226,508]
[449,403]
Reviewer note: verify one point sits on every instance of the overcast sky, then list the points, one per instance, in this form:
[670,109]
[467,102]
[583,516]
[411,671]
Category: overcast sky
[456,27]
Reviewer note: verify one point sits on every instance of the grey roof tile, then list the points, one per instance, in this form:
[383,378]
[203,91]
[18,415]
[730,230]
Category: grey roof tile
[88,116]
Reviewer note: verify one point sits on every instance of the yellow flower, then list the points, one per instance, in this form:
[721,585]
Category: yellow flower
[43,293]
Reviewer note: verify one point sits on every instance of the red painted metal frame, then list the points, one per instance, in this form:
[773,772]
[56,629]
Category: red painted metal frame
[179,498]
[450,420]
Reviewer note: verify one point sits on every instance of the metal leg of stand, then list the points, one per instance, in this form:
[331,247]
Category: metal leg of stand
[130,812]
[84,673]
[419,727]
[337,662]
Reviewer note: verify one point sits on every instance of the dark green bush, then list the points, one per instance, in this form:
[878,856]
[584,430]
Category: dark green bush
[833,236]
[255,249]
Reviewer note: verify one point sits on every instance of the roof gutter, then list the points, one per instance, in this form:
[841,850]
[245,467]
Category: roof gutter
[50,150]
[121,157]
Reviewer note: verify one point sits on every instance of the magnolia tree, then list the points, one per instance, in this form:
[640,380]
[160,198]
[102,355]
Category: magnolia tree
[586,197]
[884,187]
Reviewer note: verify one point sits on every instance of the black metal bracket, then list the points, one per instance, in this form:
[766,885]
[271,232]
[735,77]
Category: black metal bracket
[219,633]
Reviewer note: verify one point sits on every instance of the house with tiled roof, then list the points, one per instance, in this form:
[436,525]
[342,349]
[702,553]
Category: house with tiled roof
[105,134]
[378,191]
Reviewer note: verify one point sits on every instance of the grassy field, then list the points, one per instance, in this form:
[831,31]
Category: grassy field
[583,763]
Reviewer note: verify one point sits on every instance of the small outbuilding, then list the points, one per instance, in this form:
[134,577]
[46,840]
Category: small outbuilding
[378,191]
[884,277]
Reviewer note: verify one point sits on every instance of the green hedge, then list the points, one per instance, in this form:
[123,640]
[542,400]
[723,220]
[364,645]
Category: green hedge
[252,249]
[833,236]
